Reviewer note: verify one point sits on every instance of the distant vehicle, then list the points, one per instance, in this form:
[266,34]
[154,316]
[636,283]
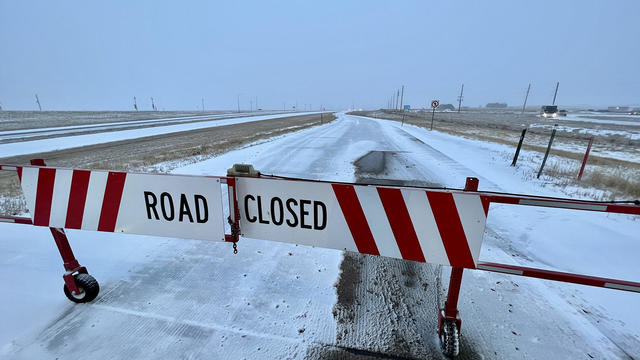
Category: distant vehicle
[549,111]
[562,112]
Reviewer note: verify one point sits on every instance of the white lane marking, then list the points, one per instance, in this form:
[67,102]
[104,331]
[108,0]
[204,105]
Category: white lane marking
[210,326]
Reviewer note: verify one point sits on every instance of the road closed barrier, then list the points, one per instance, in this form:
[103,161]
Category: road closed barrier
[146,204]
[439,226]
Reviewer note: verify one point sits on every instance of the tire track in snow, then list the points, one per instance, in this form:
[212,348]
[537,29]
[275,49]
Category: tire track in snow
[387,308]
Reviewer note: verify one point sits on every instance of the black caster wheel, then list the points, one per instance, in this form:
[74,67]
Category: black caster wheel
[450,339]
[87,286]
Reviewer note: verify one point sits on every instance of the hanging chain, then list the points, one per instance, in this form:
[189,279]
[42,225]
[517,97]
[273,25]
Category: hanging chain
[235,231]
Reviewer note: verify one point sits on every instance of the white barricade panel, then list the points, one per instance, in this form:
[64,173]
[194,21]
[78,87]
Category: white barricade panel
[187,207]
[438,227]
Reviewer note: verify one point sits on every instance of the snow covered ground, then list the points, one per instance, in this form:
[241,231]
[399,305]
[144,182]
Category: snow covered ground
[195,299]
[66,142]
[67,130]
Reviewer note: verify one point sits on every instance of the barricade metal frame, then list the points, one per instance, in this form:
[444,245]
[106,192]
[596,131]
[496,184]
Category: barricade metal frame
[449,322]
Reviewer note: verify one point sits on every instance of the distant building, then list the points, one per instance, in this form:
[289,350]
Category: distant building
[443,107]
[406,107]
[496,105]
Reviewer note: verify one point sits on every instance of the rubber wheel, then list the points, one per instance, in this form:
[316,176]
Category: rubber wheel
[88,287]
[450,339]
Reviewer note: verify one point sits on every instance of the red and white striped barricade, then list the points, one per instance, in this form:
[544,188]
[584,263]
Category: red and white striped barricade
[439,226]
[435,226]
[147,204]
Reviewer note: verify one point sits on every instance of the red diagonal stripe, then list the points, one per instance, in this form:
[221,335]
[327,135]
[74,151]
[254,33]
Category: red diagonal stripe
[44,193]
[485,204]
[19,169]
[401,224]
[77,198]
[450,228]
[357,222]
[111,201]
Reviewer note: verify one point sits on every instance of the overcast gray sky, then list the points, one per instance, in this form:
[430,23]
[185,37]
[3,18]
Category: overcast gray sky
[81,55]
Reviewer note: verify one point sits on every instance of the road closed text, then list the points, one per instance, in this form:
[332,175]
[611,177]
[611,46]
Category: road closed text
[182,208]
[302,213]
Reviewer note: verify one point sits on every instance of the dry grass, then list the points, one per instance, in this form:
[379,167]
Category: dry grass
[618,181]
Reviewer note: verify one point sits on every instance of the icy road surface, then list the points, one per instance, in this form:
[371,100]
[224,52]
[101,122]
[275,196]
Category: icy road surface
[171,298]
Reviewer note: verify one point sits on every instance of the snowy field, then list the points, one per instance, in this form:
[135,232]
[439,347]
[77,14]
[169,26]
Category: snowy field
[177,298]
[23,134]
[66,142]
[616,136]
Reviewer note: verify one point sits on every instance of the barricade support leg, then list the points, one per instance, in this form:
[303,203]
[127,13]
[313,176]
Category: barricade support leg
[449,321]
[71,265]
[79,286]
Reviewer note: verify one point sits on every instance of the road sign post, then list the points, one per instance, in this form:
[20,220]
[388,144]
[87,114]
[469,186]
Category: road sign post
[434,105]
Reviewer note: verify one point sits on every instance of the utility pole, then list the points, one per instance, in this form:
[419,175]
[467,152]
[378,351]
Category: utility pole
[38,101]
[250,104]
[397,99]
[238,102]
[135,103]
[153,105]
[556,93]
[525,98]
[460,97]
[402,99]
[202,104]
